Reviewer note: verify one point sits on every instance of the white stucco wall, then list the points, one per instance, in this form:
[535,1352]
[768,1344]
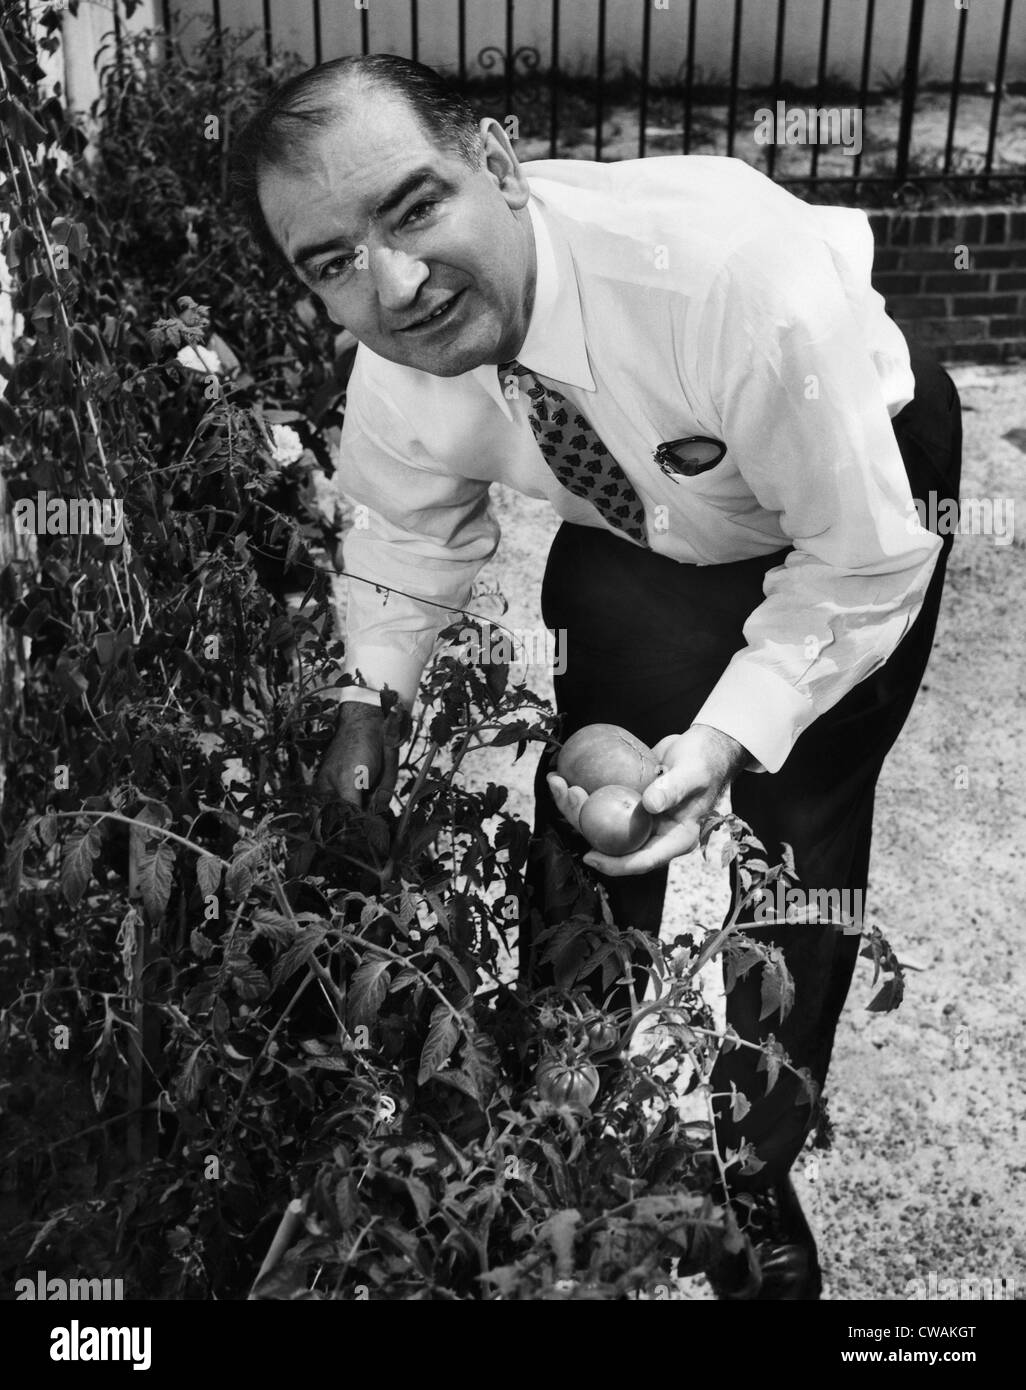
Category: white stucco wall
[85,36]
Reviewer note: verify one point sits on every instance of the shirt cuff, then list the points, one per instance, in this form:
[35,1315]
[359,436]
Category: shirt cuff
[763,712]
[355,695]
[374,668]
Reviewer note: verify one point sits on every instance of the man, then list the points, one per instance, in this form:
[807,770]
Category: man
[692,366]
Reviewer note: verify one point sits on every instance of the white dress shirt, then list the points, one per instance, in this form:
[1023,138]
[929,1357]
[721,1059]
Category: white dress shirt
[681,296]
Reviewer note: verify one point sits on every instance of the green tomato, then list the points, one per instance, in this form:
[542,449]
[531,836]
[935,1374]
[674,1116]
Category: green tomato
[573,1084]
[601,1036]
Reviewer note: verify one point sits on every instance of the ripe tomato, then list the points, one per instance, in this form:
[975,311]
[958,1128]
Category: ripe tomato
[614,821]
[574,1084]
[602,754]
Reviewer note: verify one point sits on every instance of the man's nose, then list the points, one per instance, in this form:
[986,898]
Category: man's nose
[397,277]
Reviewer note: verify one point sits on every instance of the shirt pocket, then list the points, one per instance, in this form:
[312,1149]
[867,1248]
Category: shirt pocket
[689,456]
[697,464]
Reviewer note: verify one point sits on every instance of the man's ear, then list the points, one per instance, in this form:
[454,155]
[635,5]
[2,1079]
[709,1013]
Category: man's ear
[503,165]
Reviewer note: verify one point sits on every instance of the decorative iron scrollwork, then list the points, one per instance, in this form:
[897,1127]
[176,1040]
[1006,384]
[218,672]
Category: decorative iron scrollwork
[518,75]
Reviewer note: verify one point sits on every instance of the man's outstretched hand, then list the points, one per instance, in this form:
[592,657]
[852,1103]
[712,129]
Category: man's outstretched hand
[700,764]
[359,766]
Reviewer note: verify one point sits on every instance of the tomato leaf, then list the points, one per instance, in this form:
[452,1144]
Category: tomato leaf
[273,925]
[200,945]
[407,909]
[367,991]
[420,1195]
[809,1093]
[739,1103]
[771,1061]
[241,871]
[250,982]
[155,864]
[208,874]
[47,830]
[20,842]
[558,1168]
[77,864]
[777,987]
[296,955]
[442,1037]
[510,733]
[347,1201]
[888,996]
[460,1080]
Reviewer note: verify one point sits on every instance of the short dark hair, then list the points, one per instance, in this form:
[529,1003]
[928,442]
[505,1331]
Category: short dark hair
[313,101]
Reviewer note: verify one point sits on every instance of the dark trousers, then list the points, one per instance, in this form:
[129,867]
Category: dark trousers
[647,639]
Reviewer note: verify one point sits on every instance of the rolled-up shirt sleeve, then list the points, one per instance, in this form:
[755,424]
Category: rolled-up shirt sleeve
[803,413]
[417,541]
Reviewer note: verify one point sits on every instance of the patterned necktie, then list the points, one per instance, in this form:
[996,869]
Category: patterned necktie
[577,457]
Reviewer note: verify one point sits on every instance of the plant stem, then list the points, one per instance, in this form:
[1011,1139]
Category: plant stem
[144,825]
[244,1089]
[314,964]
[716,1145]
[79,1134]
[411,801]
[716,941]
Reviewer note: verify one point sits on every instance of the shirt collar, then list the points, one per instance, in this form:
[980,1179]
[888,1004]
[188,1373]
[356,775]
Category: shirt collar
[554,346]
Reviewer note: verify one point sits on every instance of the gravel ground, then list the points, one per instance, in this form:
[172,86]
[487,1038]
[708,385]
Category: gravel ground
[875,137]
[928,1160]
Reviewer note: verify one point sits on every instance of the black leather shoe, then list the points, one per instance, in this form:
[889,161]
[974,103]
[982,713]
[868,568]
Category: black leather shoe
[782,1262]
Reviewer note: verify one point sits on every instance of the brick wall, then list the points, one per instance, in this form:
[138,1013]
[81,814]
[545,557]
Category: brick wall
[956,281]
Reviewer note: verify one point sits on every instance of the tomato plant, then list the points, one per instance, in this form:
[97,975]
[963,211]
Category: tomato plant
[249,1024]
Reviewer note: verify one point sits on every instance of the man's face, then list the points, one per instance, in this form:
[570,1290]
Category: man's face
[389,230]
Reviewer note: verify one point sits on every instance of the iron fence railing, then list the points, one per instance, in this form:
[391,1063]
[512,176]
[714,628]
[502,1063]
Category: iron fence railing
[610,111]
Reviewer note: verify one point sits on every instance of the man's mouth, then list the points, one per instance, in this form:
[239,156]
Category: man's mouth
[437,316]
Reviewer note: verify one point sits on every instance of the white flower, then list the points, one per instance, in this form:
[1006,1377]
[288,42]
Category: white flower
[200,359]
[286,444]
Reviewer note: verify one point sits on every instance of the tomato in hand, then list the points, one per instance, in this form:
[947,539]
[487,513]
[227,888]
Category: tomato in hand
[614,821]
[601,754]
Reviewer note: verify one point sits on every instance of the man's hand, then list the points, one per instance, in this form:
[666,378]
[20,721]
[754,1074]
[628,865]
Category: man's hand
[358,767]
[700,764]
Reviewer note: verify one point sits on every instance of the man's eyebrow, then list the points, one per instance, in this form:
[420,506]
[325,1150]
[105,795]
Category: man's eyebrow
[403,190]
[392,200]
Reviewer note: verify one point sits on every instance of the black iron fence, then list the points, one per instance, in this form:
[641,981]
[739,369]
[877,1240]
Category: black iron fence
[869,114]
